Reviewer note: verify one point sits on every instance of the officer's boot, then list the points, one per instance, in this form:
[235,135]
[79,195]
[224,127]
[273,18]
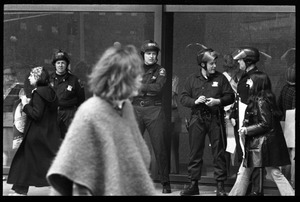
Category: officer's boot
[220,189]
[166,188]
[190,190]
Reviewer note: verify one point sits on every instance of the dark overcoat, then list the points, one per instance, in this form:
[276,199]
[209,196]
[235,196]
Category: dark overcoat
[41,140]
[265,144]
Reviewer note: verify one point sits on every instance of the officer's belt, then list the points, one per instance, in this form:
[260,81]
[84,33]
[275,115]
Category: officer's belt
[146,103]
[204,111]
[66,107]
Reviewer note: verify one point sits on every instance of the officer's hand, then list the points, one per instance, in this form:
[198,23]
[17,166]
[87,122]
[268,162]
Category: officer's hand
[212,102]
[233,121]
[242,131]
[201,99]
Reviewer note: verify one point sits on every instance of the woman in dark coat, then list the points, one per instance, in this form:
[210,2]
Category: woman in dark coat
[41,136]
[265,146]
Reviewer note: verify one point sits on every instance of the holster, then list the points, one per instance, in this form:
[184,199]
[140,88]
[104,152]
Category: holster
[187,123]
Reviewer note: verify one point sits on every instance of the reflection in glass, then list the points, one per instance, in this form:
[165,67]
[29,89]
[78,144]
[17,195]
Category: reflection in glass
[272,33]
[31,38]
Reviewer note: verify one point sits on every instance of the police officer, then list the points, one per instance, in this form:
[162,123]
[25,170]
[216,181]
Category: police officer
[206,93]
[247,57]
[149,110]
[68,88]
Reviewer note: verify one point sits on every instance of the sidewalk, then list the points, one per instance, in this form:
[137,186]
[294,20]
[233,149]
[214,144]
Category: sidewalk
[205,190]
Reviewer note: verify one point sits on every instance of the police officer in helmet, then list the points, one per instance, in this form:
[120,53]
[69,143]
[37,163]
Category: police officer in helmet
[149,109]
[206,92]
[68,88]
[247,57]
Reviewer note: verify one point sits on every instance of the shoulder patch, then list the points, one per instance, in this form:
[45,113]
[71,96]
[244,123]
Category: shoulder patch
[162,72]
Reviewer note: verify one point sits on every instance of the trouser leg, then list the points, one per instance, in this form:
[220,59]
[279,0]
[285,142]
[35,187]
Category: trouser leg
[218,151]
[218,142]
[292,157]
[282,183]
[174,149]
[156,129]
[176,129]
[255,181]
[241,183]
[261,181]
[65,118]
[63,129]
[197,134]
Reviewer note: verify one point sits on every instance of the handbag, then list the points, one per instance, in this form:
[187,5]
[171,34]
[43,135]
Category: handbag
[18,126]
[17,142]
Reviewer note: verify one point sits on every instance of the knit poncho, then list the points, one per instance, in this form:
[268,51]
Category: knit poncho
[103,151]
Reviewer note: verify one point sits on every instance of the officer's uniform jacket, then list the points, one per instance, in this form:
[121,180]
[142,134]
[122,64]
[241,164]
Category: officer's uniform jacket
[242,92]
[153,82]
[69,90]
[216,86]
[242,87]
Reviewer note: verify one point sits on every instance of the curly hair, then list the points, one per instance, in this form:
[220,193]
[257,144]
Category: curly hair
[114,77]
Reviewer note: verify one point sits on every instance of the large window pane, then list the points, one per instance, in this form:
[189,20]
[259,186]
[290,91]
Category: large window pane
[271,33]
[30,39]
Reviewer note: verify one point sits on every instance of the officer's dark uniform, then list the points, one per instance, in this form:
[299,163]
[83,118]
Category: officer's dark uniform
[207,120]
[150,114]
[70,93]
[242,87]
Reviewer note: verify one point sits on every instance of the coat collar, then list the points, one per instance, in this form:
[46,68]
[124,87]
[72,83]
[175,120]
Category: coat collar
[149,69]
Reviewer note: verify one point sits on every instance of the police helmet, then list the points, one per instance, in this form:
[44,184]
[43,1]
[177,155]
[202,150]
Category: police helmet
[206,55]
[248,54]
[60,55]
[149,45]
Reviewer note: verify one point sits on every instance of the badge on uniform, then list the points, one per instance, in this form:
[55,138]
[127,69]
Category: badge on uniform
[162,72]
[69,88]
[215,84]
